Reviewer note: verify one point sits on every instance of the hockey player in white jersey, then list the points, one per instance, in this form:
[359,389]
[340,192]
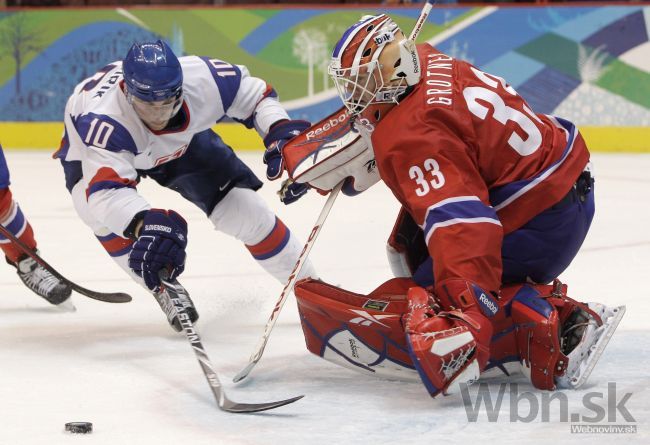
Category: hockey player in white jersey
[150,116]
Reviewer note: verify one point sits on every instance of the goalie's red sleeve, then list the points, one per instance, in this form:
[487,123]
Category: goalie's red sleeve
[471,162]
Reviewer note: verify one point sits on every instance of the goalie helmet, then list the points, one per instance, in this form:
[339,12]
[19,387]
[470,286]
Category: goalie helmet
[373,63]
[154,82]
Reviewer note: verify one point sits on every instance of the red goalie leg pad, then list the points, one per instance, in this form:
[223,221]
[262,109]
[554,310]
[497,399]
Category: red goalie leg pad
[448,348]
[360,332]
[537,332]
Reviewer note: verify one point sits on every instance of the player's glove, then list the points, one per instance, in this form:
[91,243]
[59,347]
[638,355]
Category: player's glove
[279,134]
[160,243]
[291,192]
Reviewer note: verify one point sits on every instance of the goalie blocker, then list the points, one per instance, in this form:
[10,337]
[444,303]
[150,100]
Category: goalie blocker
[399,331]
[332,150]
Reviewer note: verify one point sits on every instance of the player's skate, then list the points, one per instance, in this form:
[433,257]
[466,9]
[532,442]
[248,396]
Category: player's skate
[163,299]
[43,283]
[583,341]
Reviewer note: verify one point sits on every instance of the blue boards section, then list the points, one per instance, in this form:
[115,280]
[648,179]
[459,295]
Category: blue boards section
[48,80]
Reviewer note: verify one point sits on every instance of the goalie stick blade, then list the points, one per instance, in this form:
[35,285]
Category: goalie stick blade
[106,297]
[595,351]
[243,408]
[241,375]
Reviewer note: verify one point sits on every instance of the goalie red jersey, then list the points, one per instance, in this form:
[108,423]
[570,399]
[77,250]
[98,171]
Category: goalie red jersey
[467,192]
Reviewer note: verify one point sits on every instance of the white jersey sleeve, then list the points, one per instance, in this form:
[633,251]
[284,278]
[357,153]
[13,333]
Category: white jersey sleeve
[258,100]
[109,174]
[245,98]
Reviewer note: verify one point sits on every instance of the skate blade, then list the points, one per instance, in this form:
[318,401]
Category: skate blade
[595,351]
[66,306]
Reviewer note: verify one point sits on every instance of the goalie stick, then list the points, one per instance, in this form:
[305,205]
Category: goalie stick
[107,297]
[171,291]
[257,354]
[293,277]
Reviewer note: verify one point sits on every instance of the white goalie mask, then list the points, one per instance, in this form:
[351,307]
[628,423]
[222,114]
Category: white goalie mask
[373,63]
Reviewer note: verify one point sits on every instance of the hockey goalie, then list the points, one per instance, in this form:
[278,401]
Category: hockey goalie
[496,202]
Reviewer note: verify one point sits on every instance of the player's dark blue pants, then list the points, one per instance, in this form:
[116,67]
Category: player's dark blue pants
[205,173]
[545,246]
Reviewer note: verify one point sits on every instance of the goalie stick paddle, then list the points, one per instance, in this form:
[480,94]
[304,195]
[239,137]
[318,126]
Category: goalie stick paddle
[107,297]
[171,291]
[293,277]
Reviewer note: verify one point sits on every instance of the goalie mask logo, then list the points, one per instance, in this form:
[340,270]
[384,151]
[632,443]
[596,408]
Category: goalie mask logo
[367,319]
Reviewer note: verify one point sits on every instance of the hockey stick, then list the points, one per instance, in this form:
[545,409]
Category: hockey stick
[171,291]
[107,297]
[293,277]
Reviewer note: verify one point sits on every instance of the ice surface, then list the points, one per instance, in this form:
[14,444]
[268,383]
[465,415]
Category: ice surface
[124,369]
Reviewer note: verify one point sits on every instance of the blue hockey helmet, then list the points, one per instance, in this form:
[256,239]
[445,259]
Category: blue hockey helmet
[152,72]
[154,82]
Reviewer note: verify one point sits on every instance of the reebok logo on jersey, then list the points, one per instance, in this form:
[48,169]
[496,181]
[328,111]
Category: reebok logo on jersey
[158,228]
[488,305]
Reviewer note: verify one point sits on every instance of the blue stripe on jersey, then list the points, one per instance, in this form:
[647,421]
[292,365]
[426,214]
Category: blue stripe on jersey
[463,209]
[227,78]
[4,171]
[16,225]
[502,196]
[105,185]
[105,132]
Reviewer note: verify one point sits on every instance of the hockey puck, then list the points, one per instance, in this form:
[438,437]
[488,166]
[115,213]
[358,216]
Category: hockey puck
[79,427]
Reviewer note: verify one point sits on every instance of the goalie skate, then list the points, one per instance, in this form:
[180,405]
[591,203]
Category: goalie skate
[583,341]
